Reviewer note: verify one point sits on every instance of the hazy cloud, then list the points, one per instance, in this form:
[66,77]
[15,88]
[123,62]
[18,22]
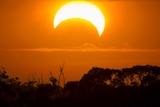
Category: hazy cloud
[84,49]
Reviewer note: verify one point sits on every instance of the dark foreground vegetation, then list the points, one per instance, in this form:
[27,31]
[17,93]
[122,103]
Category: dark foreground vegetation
[138,86]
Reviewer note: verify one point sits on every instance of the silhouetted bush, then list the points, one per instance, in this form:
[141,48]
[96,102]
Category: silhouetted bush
[128,87]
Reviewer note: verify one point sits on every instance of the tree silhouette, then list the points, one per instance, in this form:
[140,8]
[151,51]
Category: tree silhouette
[61,74]
[137,86]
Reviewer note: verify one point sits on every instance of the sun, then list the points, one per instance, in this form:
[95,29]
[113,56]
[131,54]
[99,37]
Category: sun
[83,10]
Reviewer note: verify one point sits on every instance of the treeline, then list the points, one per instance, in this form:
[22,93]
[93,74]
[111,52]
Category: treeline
[138,86]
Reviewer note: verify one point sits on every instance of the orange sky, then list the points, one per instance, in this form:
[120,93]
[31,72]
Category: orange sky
[29,46]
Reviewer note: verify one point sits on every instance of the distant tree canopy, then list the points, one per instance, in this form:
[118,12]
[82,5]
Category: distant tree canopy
[137,86]
[135,76]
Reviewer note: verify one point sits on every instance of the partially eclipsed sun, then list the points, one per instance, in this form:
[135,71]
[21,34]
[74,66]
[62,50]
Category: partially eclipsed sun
[83,10]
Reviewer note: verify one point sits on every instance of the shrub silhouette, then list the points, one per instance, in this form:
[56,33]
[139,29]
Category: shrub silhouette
[128,87]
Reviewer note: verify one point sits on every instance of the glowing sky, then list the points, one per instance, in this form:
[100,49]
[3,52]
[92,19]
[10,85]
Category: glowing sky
[29,46]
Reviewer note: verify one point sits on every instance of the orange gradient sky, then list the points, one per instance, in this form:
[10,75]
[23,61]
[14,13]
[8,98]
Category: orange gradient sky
[30,46]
